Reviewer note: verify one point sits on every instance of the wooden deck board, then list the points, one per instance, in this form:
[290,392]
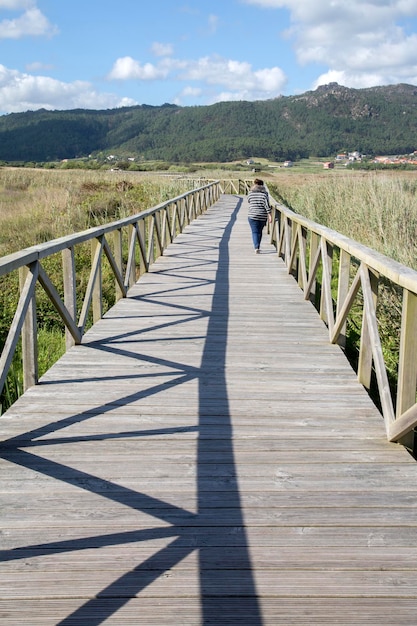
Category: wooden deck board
[205,457]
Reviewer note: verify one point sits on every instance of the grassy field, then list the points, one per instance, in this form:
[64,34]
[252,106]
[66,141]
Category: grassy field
[40,205]
[378,209]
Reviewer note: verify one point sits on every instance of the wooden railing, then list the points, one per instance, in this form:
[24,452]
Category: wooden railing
[338,269]
[239,187]
[130,245]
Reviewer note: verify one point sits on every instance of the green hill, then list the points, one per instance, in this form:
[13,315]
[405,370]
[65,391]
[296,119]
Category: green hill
[378,120]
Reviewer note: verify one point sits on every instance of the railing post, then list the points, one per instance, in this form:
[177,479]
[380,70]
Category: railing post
[326,284]
[164,228]
[274,235]
[97,295]
[342,290]
[70,299]
[196,206]
[131,278]
[157,235]
[288,240]
[314,245]
[149,239]
[176,218]
[118,258]
[172,217]
[293,260]
[281,242]
[184,209]
[407,366]
[365,350]
[301,269]
[188,205]
[29,338]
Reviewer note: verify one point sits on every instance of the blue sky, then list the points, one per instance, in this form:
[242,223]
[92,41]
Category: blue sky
[101,54]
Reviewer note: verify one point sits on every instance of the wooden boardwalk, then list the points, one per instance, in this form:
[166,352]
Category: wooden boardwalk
[206,457]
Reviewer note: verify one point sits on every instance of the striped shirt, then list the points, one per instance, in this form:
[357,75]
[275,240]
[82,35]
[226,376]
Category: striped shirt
[258,203]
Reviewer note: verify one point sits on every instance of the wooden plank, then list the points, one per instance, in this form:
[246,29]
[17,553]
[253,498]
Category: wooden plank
[205,456]
[157,611]
[20,543]
[183,583]
[117,559]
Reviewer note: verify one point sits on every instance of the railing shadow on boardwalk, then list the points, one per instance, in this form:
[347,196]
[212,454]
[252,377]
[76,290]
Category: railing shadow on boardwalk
[211,381]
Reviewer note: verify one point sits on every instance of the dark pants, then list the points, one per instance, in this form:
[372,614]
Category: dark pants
[256,227]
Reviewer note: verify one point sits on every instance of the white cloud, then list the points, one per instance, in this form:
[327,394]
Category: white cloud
[162,49]
[351,80]
[229,96]
[361,41]
[194,92]
[238,77]
[126,68]
[15,5]
[188,92]
[31,23]
[22,92]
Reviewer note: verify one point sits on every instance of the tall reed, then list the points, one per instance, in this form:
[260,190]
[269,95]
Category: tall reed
[40,205]
[376,209]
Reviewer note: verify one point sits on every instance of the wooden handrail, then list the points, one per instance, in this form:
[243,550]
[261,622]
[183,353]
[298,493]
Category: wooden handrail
[306,247]
[149,233]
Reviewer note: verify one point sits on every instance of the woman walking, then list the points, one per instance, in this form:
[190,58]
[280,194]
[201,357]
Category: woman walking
[259,211]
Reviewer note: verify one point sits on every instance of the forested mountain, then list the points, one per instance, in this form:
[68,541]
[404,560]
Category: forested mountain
[378,120]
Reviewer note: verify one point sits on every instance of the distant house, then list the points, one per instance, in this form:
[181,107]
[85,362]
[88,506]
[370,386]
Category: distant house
[329,165]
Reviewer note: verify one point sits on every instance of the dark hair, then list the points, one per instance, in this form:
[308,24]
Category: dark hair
[258,181]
